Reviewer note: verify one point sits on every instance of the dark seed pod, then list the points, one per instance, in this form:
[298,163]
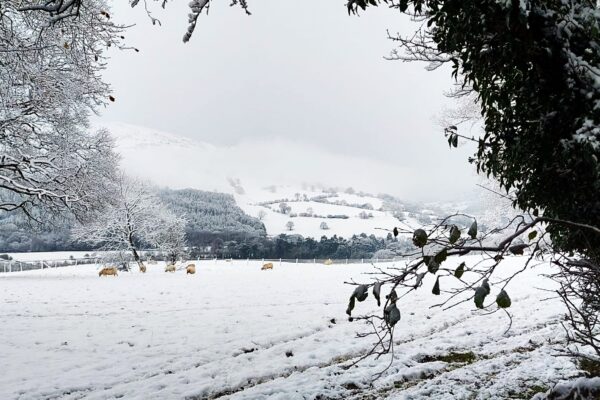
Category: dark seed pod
[502,300]
[473,230]
[480,294]
[460,270]
[377,292]
[420,238]
[361,292]
[454,234]
[391,314]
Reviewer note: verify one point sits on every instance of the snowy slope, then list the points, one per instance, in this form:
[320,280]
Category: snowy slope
[68,334]
[300,201]
[258,173]
[178,162]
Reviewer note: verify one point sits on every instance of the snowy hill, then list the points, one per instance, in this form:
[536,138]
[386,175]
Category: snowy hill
[261,176]
[316,212]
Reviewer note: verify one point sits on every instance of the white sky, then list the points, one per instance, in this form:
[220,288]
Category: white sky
[297,72]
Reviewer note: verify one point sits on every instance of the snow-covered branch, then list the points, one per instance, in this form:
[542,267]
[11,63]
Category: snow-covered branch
[135,217]
[51,82]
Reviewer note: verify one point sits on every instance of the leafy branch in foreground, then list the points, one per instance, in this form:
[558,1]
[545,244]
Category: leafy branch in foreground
[522,236]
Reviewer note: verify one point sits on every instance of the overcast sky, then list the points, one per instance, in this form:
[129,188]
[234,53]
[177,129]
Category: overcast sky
[302,72]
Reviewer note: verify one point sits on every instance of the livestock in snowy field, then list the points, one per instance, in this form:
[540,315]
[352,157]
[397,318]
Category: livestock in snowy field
[106,271]
[170,268]
[142,268]
[328,262]
[191,269]
[267,266]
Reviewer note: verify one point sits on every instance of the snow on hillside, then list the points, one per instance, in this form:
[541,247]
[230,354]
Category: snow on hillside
[68,334]
[254,174]
[258,173]
[178,162]
[323,206]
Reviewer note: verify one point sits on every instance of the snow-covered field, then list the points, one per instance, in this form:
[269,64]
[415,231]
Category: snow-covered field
[233,331]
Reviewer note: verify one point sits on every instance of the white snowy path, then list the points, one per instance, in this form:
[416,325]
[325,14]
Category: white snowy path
[224,333]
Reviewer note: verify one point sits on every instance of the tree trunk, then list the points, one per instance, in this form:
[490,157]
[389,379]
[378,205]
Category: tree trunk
[136,256]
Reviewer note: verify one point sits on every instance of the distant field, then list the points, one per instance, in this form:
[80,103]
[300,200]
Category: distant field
[234,332]
[49,255]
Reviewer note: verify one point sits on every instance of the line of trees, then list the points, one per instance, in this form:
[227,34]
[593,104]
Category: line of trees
[295,246]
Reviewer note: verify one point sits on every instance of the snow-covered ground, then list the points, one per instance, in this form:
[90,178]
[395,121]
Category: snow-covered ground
[233,331]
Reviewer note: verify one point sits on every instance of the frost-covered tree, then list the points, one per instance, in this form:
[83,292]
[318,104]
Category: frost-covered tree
[261,215]
[284,208]
[134,217]
[50,69]
[169,236]
[289,225]
[58,10]
[533,68]
[534,77]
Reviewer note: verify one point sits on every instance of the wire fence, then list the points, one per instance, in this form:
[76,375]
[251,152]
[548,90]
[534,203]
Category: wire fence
[19,266]
[7,266]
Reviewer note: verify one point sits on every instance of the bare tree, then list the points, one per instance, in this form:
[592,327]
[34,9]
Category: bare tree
[169,236]
[289,226]
[261,215]
[579,282]
[284,208]
[134,217]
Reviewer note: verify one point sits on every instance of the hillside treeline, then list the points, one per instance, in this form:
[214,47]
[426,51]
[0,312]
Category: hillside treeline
[216,227]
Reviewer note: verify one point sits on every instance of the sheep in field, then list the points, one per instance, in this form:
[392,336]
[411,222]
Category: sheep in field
[267,266]
[190,269]
[328,262]
[142,268]
[106,271]
[170,268]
